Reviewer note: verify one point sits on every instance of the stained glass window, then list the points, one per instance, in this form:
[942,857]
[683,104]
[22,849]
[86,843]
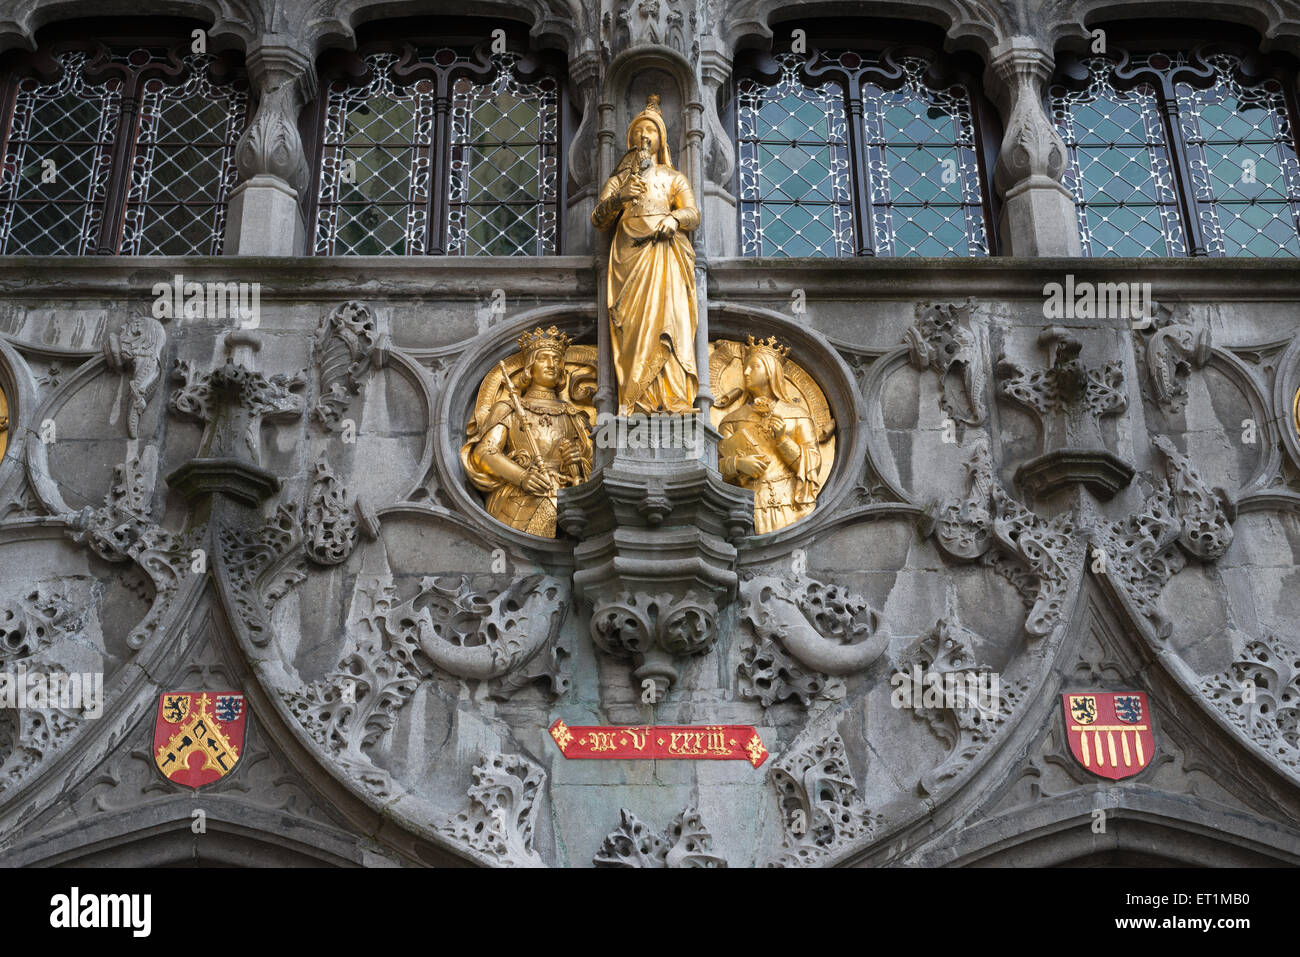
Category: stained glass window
[1219,177]
[81,175]
[432,154]
[831,119]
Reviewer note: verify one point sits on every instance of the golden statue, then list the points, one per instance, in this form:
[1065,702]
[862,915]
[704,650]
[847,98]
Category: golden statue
[526,441]
[651,297]
[779,439]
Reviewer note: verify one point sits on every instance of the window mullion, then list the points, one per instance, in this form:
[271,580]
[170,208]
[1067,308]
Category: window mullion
[120,168]
[1184,188]
[858,157]
[440,147]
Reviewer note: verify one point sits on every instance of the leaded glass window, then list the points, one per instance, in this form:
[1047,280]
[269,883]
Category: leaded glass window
[1175,154]
[845,153]
[128,150]
[440,152]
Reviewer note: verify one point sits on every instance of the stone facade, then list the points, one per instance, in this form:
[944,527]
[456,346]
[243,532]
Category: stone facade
[1075,504]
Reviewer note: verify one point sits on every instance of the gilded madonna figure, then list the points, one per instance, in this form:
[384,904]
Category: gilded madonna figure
[771,443]
[651,296]
[525,440]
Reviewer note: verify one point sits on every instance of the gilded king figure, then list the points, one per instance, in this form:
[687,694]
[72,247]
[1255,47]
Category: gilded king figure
[651,294]
[525,441]
[770,443]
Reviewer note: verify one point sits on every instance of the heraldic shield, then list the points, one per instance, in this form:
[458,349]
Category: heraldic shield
[1109,731]
[198,735]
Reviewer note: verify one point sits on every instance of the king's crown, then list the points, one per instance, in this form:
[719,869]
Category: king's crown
[539,338]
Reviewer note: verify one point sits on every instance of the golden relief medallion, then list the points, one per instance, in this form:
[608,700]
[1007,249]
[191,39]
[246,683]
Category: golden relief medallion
[778,434]
[529,434]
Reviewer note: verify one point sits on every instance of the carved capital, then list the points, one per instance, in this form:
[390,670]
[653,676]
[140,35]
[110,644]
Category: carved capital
[1032,153]
[270,146]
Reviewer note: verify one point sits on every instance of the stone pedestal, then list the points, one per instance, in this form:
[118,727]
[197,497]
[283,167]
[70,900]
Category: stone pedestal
[656,560]
[264,219]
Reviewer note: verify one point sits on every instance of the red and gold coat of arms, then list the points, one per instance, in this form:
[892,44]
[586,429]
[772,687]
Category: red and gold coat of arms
[198,736]
[1109,731]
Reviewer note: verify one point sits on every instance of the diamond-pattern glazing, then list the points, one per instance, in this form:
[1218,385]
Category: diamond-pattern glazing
[503,182]
[795,184]
[1242,155]
[184,164]
[923,177]
[54,175]
[922,168]
[1118,167]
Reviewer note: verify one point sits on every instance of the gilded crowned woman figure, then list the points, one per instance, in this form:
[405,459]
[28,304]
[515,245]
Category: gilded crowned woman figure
[651,296]
[770,443]
[527,444]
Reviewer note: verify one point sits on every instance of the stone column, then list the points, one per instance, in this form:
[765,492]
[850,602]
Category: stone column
[718,159]
[584,157]
[265,217]
[1038,216]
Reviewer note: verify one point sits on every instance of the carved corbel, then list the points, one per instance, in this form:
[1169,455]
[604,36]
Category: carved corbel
[232,402]
[1069,398]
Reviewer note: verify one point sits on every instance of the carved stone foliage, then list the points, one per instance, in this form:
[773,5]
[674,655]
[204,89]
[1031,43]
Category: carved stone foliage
[825,628]
[261,564]
[344,350]
[122,530]
[1176,347]
[271,145]
[509,639]
[818,799]
[686,843]
[987,519]
[501,814]
[1066,385]
[967,728]
[1182,517]
[941,339]
[1259,693]
[1070,398]
[768,673]
[330,525]
[135,351]
[1206,514]
[30,630]
[1140,555]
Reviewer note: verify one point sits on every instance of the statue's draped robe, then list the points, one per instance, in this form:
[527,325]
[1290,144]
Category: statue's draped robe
[787,489]
[652,293]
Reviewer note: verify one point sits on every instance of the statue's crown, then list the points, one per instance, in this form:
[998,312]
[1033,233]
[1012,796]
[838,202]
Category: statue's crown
[769,345]
[540,338]
[652,104]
